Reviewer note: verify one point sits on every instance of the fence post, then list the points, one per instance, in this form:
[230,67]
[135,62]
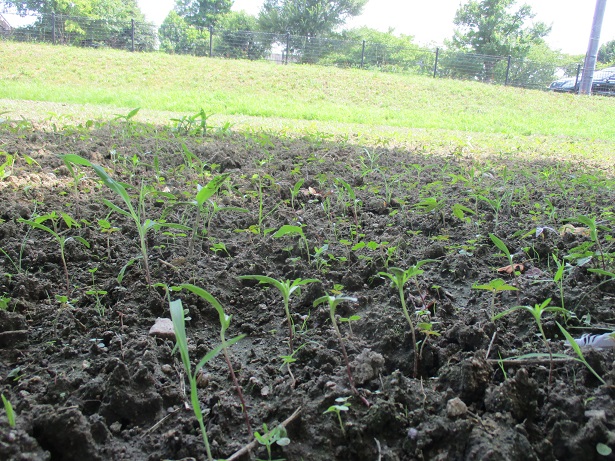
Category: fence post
[211,40]
[576,80]
[132,35]
[287,46]
[53,28]
[435,65]
[507,72]
[363,54]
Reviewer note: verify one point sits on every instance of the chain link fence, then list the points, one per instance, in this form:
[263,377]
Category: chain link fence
[284,49]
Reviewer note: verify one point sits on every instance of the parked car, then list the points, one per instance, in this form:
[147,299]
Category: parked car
[603,83]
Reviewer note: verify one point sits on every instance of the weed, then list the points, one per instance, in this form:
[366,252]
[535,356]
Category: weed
[537,311]
[286,289]
[399,278]
[10,413]
[342,405]
[225,321]
[277,436]
[142,223]
[37,223]
[179,325]
[333,302]
[494,286]
[575,347]
[99,306]
[288,229]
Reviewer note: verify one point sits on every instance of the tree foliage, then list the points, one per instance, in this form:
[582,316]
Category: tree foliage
[606,53]
[96,9]
[202,13]
[383,50]
[496,27]
[177,36]
[237,35]
[308,18]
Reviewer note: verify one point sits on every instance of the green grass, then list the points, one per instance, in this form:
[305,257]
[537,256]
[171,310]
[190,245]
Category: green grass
[110,80]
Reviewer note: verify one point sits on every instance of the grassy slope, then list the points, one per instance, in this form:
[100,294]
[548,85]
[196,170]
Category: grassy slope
[183,84]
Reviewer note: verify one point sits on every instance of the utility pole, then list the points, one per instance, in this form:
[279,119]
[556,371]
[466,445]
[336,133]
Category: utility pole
[592,49]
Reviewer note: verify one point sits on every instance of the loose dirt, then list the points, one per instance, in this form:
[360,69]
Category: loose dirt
[87,381]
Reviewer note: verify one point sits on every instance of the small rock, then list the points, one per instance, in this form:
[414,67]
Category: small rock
[163,328]
[455,408]
[166,369]
[265,391]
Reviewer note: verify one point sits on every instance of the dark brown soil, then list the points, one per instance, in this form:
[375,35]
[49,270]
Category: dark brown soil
[87,381]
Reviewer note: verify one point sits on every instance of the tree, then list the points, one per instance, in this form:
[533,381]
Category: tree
[492,27]
[308,18]
[496,28]
[383,50]
[89,22]
[237,36]
[95,9]
[177,36]
[606,53]
[202,13]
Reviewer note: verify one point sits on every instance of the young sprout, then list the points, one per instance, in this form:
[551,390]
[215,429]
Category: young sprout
[142,223]
[287,360]
[399,278]
[179,325]
[342,405]
[286,288]
[37,223]
[494,287]
[333,302]
[277,436]
[10,413]
[504,249]
[225,321]
[204,194]
[537,312]
[294,230]
[577,348]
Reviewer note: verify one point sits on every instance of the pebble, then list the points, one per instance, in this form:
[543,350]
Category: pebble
[455,408]
[163,328]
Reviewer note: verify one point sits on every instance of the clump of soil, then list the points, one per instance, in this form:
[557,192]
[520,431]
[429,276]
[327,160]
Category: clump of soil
[88,381]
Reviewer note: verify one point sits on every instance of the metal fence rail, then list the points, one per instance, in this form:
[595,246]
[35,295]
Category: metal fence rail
[283,48]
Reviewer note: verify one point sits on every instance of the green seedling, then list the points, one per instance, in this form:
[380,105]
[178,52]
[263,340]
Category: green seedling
[286,288]
[277,436]
[100,307]
[427,329]
[537,311]
[142,223]
[200,200]
[349,320]
[504,249]
[106,228]
[225,322]
[575,347]
[558,278]
[10,413]
[333,302]
[287,360]
[495,286]
[179,325]
[399,278]
[59,236]
[4,302]
[583,254]
[342,405]
[294,192]
[291,230]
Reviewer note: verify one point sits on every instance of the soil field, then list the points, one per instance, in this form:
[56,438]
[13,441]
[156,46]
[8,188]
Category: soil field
[442,380]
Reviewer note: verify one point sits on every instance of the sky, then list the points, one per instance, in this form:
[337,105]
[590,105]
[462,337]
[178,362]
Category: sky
[431,22]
